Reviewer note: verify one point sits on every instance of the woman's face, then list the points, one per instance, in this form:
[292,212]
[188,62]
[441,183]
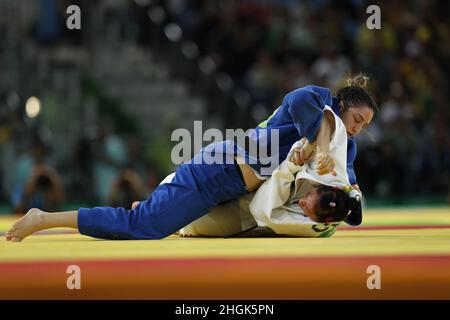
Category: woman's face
[356,118]
[309,203]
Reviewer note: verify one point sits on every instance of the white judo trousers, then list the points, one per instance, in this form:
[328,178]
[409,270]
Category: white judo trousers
[270,205]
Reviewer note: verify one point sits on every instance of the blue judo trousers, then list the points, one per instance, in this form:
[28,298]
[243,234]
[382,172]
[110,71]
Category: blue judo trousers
[194,191]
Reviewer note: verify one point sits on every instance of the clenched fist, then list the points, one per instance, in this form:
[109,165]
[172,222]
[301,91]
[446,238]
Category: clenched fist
[303,154]
[325,164]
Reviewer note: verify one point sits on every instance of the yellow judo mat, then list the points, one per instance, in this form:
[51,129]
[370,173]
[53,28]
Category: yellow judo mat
[394,254]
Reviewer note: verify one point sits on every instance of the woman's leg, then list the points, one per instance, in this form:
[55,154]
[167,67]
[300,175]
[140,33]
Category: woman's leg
[36,220]
[194,190]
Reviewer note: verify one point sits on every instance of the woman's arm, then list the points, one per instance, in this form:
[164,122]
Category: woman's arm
[326,163]
[322,143]
[326,129]
[306,108]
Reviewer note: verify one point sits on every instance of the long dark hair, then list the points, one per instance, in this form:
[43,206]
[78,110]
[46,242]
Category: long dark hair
[334,204]
[356,93]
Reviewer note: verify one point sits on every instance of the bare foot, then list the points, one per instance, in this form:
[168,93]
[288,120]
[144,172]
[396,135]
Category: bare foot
[27,225]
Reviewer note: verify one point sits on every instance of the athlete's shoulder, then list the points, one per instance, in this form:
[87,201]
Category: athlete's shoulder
[324,93]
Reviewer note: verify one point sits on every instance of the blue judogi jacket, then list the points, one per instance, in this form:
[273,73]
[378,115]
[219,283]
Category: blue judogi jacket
[299,116]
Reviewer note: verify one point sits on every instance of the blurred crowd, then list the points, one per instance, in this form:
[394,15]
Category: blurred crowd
[107,169]
[108,162]
[267,48]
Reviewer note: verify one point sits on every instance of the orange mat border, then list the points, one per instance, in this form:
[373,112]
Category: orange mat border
[402,277]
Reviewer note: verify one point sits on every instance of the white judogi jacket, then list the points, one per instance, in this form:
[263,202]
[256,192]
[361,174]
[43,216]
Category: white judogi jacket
[275,203]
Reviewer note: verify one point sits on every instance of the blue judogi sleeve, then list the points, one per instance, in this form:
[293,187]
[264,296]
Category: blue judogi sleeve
[351,174]
[351,156]
[354,218]
[305,105]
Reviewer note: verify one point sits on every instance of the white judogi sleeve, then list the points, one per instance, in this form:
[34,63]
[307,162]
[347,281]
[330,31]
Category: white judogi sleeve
[338,151]
[268,204]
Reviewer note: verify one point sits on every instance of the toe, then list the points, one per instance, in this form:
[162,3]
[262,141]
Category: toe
[15,239]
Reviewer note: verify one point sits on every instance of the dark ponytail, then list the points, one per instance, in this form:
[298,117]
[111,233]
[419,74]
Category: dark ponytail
[356,94]
[334,204]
